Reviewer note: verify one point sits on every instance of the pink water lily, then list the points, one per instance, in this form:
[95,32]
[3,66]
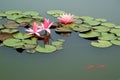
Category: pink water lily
[66,18]
[46,25]
[35,29]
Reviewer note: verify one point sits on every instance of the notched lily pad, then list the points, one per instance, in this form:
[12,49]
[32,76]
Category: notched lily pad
[32,13]
[91,34]
[92,22]
[101,44]
[116,42]
[107,36]
[24,19]
[111,25]
[13,12]
[46,49]
[81,29]
[115,31]
[101,28]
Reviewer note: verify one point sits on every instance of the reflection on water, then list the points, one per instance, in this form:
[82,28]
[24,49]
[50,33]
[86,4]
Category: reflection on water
[72,62]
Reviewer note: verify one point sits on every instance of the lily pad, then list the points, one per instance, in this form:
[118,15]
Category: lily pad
[9,30]
[14,17]
[115,31]
[101,28]
[91,34]
[32,13]
[111,25]
[22,36]
[13,12]
[101,20]
[116,42]
[24,19]
[81,29]
[0,17]
[53,12]
[58,44]
[4,36]
[2,14]
[11,24]
[101,44]
[92,22]
[1,26]
[107,36]
[30,41]
[46,49]
[86,18]
[13,42]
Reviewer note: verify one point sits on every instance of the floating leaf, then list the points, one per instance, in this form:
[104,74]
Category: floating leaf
[92,22]
[118,27]
[32,13]
[101,28]
[1,26]
[46,49]
[107,36]
[29,46]
[81,29]
[0,17]
[24,19]
[90,34]
[13,42]
[111,25]
[4,36]
[116,42]
[53,12]
[101,44]
[30,41]
[101,20]
[14,17]
[31,51]
[9,30]
[2,14]
[86,18]
[13,12]
[22,36]
[115,31]
[11,24]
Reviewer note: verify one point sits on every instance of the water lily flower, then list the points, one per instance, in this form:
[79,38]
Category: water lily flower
[35,29]
[66,18]
[46,25]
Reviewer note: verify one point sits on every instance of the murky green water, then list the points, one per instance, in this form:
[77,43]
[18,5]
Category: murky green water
[72,62]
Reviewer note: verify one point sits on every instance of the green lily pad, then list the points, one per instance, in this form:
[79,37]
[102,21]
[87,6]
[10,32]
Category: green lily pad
[31,51]
[116,42]
[91,34]
[1,26]
[38,17]
[32,13]
[58,44]
[13,12]
[0,17]
[107,36]
[53,12]
[14,17]
[46,49]
[101,28]
[86,18]
[9,30]
[11,24]
[101,20]
[13,42]
[22,36]
[23,19]
[2,14]
[30,41]
[29,46]
[115,31]
[118,27]
[81,29]
[92,22]
[111,25]
[101,44]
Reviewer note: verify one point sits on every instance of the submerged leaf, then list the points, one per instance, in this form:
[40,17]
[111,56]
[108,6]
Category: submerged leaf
[101,44]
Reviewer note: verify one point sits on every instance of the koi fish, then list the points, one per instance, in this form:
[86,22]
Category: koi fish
[90,67]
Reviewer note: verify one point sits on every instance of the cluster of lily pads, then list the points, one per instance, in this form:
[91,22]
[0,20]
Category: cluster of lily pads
[24,30]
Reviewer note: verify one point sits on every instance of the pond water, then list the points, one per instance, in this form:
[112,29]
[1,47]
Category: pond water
[72,62]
